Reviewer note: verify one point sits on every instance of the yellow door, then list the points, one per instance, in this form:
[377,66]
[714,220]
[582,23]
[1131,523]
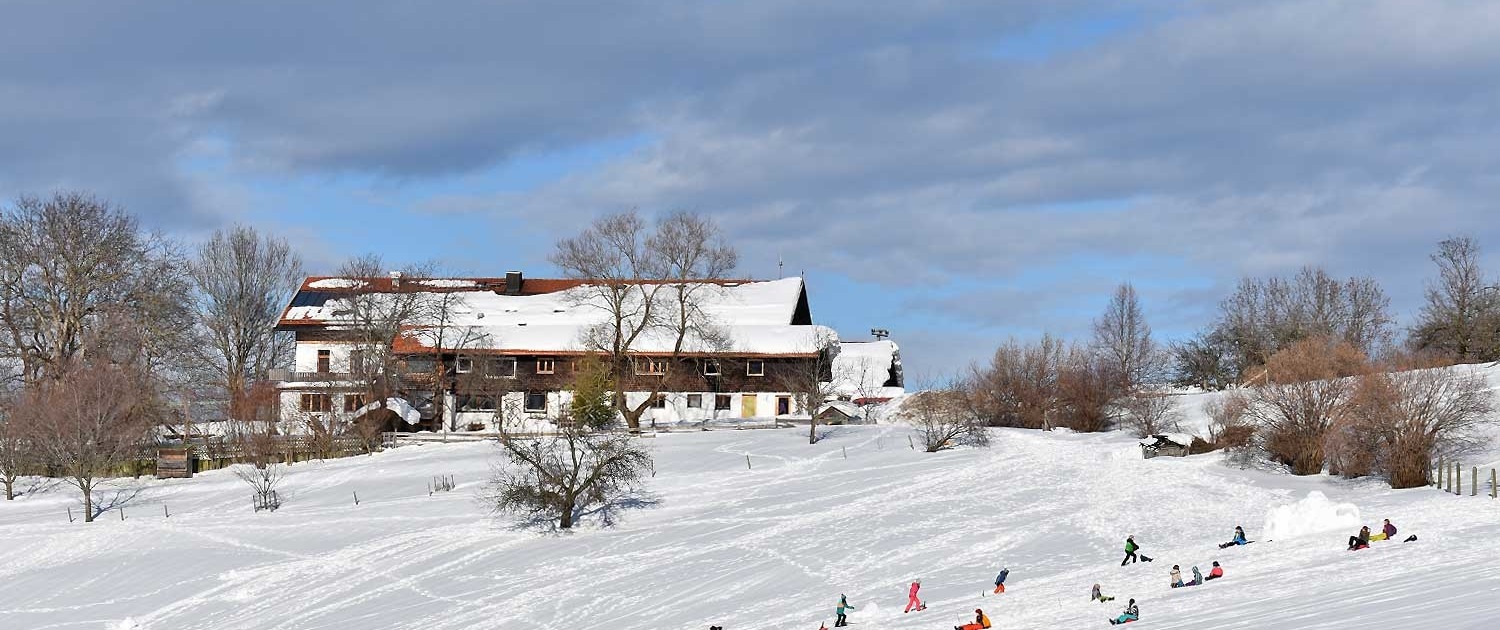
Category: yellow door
[747,406]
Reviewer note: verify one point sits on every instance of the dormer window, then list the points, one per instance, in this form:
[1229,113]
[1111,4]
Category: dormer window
[755,367]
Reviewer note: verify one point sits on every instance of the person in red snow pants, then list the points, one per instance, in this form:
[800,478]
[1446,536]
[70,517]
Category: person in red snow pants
[911,599]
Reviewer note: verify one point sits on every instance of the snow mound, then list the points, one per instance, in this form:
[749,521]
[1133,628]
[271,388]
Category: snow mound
[1309,516]
[336,283]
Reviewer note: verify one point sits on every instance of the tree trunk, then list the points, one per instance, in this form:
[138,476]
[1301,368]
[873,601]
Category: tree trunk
[10,489]
[88,504]
[812,428]
[566,522]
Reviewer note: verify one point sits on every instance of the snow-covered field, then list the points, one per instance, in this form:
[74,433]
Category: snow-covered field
[771,547]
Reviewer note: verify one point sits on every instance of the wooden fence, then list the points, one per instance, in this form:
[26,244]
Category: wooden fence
[1452,474]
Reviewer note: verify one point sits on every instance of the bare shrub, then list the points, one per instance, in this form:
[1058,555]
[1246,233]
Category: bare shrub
[1150,413]
[1422,411]
[1304,396]
[1087,386]
[1230,426]
[1019,386]
[943,420]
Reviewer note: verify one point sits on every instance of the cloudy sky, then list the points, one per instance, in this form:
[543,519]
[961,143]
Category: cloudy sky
[957,172]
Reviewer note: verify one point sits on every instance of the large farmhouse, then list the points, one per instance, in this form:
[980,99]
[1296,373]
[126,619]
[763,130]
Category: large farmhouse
[491,350]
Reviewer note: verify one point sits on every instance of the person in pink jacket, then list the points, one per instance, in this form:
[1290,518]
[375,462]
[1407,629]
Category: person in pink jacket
[911,599]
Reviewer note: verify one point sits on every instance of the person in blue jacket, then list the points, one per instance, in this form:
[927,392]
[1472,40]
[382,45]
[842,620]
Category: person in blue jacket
[1000,580]
[1239,538]
[1131,614]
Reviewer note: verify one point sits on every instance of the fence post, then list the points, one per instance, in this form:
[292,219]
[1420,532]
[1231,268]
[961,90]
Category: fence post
[845,449]
[1458,476]
[70,514]
[1474,482]
[1494,490]
[910,443]
[1437,475]
[164,512]
[356,497]
[122,513]
[747,461]
[1448,472]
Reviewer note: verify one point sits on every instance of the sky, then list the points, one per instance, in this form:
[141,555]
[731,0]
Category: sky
[956,172]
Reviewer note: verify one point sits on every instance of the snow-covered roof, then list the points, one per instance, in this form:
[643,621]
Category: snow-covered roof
[861,369]
[757,317]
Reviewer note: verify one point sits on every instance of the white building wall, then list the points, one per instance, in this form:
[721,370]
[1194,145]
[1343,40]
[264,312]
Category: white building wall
[307,355]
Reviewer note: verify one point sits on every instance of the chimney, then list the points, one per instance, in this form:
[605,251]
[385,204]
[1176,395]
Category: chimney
[395,279]
[512,283]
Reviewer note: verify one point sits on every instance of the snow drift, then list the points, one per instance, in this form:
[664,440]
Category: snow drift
[1311,515]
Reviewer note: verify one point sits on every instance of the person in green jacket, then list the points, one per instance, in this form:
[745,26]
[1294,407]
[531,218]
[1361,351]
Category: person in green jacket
[843,605]
[1130,549]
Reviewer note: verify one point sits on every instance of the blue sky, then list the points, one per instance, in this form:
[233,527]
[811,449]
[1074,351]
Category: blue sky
[955,171]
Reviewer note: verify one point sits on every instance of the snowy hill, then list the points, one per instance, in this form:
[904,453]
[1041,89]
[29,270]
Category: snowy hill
[771,547]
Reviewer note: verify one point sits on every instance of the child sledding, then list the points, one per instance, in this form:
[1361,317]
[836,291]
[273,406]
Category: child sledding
[1131,614]
[1099,596]
[1239,539]
[981,621]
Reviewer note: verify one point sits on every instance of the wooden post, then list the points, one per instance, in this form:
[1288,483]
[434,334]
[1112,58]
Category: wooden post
[1494,490]
[1448,472]
[70,514]
[910,443]
[1437,475]
[356,497]
[164,512]
[747,461]
[845,449]
[1458,475]
[122,513]
[1474,482]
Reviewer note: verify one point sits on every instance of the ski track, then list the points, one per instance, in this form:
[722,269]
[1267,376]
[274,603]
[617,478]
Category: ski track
[771,547]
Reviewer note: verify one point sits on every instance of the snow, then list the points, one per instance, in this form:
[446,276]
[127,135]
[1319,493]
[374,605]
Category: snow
[336,283]
[861,368]
[1312,515]
[766,547]
[448,283]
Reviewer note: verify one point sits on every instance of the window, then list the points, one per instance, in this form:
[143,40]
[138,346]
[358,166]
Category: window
[325,358]
[503,368]
[536,401]
[659,402]
[352,402]
[463,365]
[755,367]
[695,401]
[317,402]
[546,366]
[711,368]
[477,403]
[655,367]
[721,402]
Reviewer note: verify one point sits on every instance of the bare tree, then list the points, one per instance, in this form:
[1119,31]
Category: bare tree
[1230,426]
[1265,316]
[1306,394]
[1123,337]
[1204,361]
[243,280]
[15,449]
[811,381]
[266,458]
[375,319]
[71,261]
[943,419]
[561,477]
[649,285]
[443,332]
[1462,316]
[90,423]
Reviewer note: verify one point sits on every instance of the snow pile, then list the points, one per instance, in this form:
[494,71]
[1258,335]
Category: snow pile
[1311,515]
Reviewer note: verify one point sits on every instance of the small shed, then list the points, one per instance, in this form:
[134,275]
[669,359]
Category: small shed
[1165,444]
[840,412]
[174,463]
